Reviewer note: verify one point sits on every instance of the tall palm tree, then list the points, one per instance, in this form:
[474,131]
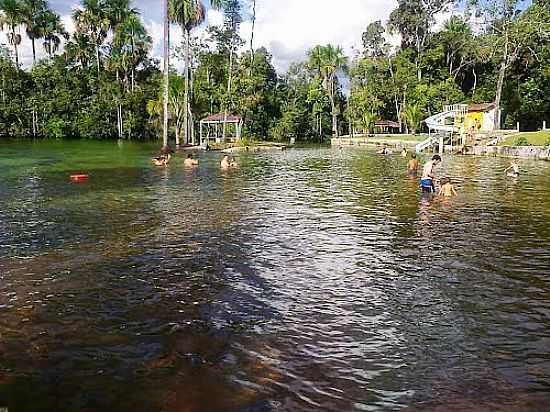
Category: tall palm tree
[93,21]
[178,104]
[132,40]
[315,61]
[188,14]
[252,37]
[12,17]
[328,61]
[79,49]
[51,29]
[166,48]
[32,14]
[117,11]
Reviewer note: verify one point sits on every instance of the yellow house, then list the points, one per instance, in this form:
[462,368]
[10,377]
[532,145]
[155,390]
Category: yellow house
[480,118]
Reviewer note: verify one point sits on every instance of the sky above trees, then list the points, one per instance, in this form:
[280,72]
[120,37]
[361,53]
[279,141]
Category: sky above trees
[287,28]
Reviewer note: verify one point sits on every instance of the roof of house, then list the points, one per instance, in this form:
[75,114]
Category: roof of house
[481,107]
[220,117]
[386,123]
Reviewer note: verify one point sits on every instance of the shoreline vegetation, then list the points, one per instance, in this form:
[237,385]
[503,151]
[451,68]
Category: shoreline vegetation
[102,82]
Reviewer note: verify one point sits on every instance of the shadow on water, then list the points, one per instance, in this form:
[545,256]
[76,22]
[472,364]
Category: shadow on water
[308,280]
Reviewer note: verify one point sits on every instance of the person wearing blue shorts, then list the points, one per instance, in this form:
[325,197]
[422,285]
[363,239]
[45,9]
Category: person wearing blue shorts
[427,182]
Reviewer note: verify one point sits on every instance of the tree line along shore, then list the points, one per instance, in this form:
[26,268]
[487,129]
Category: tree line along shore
[101,81]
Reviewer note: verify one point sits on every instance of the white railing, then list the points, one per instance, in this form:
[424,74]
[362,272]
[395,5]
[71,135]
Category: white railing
[426,143]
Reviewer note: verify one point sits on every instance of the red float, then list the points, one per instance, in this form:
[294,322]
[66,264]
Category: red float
[79,178]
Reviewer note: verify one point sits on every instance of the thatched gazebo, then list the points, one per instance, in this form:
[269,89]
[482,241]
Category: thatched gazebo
[213,122]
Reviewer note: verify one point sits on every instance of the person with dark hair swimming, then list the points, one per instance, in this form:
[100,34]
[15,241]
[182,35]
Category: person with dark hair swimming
[164,157]
[190,162]
[427,182]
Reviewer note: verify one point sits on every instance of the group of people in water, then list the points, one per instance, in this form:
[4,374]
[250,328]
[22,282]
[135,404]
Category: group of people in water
[429,179]
[165,155]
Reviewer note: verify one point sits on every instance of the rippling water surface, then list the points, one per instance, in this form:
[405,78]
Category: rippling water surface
[308,280]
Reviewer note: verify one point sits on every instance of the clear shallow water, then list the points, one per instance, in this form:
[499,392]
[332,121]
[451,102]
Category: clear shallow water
[308,280]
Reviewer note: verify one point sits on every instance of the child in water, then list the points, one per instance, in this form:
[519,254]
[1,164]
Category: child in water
[412,166]
[447,189]
[161,160]
[514,172]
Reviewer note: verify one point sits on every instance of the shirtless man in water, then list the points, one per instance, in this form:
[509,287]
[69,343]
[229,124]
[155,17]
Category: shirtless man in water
[427,182]
[190,162]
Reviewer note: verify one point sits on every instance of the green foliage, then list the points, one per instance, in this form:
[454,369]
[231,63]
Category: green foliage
[104,85]
[56,128]
[413,116]
[521,141]
[368,122]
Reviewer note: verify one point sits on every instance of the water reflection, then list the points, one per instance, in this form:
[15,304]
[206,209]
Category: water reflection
[307,280]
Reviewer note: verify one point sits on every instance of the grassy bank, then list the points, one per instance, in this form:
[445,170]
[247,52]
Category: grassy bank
[540,138]
[381,138]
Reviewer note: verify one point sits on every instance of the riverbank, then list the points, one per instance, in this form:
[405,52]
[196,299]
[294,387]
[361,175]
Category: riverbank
[527,152]
[393,140]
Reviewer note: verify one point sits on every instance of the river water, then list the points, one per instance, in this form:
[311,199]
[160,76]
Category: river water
[308,280]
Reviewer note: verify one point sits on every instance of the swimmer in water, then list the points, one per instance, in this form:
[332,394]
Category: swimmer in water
[412,166]
[228,163]
[447,189]
[164,157]
[385,151]
[190,162]
[512,170]
[161,160]
[404,152]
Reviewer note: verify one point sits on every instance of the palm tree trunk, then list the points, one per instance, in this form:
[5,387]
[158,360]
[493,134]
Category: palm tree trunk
[15,48]
[97,57]
[191,118]
[33,52]
[333,107]
[166,79]
[252,36]
[132,71]
[186,91]
[229,79]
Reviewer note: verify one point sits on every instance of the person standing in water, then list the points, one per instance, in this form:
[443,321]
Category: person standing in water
[412,166]
[427,182]
[190,162]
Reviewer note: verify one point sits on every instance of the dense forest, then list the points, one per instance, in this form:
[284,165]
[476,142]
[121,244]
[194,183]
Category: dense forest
[103,83]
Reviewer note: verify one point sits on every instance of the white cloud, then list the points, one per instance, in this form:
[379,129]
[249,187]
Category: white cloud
[156,31]
[25,48]
[288,28]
